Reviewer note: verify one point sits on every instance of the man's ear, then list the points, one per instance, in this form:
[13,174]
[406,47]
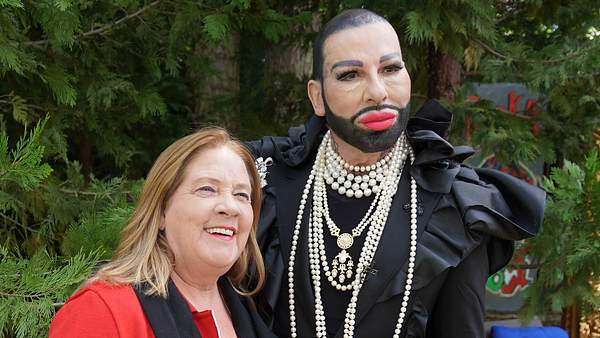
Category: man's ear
[314,94]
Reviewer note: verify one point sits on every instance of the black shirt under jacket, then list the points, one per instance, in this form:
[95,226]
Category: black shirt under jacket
[470,218]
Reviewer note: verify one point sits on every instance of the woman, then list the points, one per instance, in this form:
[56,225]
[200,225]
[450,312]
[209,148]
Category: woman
[188,259]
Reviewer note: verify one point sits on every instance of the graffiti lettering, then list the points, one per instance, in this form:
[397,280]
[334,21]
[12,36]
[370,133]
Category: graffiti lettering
[510,280]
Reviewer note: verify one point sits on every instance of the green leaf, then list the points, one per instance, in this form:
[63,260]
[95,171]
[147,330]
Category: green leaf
[60,25]
[20,111]
[61,84]
[99,232]
[63,5]
[242,4]
[11,3]
[151,103]
[419,27]
[23,166]
[9,57]
[216,26]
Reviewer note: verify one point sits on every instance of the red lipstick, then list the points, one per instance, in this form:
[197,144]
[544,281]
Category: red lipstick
[378,120]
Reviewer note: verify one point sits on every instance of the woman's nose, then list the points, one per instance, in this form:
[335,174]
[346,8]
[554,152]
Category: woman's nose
[227,205]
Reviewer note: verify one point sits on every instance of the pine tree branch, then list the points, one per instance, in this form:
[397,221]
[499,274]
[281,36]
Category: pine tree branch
[28,105]
[56,306]
[101,29]
[510,15]
[91,193]
[550,61]
[5,216]
[19,295]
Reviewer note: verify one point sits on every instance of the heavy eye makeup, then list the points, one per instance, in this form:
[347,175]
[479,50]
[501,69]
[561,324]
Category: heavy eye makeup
[346,75]
[393,68]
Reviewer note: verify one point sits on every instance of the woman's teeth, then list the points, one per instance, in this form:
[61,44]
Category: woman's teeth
[220,231]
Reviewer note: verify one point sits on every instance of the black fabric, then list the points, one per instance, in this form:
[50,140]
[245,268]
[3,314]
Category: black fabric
[335,301]
[470,217]
[171,317]
[459,289]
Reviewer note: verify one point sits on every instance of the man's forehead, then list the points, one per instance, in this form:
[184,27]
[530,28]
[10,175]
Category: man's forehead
[374,41]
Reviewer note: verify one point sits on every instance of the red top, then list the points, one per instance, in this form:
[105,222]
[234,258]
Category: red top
[102,310]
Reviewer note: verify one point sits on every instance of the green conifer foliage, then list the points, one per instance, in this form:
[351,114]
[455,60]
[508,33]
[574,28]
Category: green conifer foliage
[91,91]
[567,250]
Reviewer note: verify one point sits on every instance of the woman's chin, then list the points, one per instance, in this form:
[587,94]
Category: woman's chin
[222,262]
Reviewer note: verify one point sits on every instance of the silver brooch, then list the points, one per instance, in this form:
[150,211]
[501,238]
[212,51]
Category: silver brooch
[261,166]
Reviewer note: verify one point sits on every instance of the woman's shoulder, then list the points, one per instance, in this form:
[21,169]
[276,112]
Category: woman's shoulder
[99,309]
[105,289]
[98,293]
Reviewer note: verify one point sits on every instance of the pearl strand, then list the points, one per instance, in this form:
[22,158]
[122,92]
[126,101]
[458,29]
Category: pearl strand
[339,174]
[369,249]
[320,195]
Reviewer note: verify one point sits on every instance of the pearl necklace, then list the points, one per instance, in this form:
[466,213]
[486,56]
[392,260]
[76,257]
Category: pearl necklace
[317,247]
[349,180]
[342,263]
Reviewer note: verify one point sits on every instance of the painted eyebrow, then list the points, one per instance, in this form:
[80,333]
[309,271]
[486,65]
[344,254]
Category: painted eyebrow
[347,63]
[357,63]
[389,56]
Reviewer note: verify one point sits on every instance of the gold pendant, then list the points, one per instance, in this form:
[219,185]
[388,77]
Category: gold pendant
[345,241]
[342,266]
[342,263]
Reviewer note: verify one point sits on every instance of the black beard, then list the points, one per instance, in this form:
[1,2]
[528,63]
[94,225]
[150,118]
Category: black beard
[365,140]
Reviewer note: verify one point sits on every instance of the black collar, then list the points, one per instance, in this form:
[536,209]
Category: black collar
[171,317]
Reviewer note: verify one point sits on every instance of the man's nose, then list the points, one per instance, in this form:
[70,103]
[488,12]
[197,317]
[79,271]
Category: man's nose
[376,91]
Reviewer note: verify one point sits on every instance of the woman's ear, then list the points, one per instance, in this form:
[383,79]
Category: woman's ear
[314,89]
[162,225]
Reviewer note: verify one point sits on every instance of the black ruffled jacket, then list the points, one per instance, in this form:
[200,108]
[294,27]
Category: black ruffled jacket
[468,221]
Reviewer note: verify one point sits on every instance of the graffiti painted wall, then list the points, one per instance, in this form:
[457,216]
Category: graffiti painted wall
[504,288]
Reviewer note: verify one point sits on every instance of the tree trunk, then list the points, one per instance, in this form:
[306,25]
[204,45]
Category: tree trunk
[570,321]
[444,75]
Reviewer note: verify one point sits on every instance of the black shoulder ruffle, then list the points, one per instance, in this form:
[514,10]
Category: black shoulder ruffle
[476,202]
[294,149]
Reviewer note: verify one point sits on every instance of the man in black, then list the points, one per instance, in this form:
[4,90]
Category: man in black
[370,225]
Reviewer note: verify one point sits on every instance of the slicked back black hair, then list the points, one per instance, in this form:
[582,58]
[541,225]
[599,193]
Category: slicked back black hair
[346,19]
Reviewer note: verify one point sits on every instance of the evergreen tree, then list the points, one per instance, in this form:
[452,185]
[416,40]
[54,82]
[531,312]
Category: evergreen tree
[91,91]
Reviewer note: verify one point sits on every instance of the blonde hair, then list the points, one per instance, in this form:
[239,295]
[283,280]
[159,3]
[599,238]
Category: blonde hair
[143,255]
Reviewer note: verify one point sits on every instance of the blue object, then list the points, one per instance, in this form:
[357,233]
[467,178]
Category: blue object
[528,332]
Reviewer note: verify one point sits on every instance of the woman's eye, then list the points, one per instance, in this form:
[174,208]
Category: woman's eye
[243,195]
[206,188]
[347,76]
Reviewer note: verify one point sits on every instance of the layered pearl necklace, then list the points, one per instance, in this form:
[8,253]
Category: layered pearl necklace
[376,216]
[343,264]
[353,181]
